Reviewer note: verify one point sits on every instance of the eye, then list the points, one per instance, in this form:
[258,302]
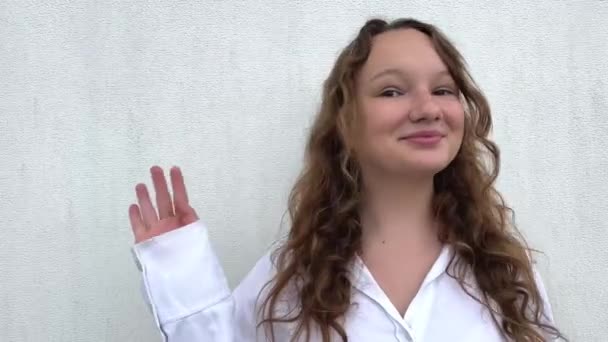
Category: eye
[444,92]
[391,92]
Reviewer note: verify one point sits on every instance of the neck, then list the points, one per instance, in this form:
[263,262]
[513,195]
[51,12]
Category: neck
[398,211]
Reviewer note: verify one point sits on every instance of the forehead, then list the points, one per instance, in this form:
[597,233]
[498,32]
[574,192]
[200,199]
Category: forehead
[406,49]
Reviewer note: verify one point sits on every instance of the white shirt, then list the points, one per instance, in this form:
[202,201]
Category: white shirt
[190,300]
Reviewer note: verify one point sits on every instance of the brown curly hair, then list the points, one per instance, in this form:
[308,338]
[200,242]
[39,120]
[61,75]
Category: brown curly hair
[324,205]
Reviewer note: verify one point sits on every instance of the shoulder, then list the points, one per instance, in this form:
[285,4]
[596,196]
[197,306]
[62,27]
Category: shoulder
[250,295]
[542,290]
[256,279]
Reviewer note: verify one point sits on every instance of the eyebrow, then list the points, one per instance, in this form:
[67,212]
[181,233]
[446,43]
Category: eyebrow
[398,72]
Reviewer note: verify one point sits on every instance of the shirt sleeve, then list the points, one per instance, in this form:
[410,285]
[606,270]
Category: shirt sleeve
[187,292]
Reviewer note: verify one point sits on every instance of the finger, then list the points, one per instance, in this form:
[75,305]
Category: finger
[163,198]
[180,196]
[148,212]
[137,223]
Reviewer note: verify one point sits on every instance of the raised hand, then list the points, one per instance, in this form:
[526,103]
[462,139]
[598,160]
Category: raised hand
[173,213]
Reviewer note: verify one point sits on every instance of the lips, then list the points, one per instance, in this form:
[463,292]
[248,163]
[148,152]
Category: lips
[424,134]
[424,138]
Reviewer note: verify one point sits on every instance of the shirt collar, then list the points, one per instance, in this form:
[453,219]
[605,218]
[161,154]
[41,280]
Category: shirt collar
[361,276]
[363,281]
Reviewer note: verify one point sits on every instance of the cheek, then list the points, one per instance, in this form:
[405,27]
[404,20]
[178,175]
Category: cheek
[379,122]
[454,118]
[383,117]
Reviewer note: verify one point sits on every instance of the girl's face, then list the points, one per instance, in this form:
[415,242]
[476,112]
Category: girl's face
[413,119]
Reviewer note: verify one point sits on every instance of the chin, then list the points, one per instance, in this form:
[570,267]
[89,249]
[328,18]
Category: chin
[428,166]
[419,164]
[426,170]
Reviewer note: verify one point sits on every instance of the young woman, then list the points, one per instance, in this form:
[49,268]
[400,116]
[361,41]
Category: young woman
[397,231]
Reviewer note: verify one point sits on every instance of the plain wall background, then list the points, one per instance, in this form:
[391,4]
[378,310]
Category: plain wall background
[92,93]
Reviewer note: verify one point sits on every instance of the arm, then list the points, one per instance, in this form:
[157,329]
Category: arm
[183,282]
[187,292]
[185,286]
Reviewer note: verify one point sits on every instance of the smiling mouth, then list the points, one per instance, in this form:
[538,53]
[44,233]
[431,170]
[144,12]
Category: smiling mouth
[423,140]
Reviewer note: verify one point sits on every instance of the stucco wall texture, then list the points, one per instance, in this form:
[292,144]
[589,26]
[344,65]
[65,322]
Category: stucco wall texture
[92,93]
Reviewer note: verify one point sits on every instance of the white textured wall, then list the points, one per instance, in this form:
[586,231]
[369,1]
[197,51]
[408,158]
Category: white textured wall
[92,93]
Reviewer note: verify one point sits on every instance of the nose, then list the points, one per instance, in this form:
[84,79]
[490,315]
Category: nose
[424,107]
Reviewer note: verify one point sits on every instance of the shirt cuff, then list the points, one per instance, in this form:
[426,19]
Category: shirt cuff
[181,273]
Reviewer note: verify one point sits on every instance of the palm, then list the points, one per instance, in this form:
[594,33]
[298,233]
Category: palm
[170,213]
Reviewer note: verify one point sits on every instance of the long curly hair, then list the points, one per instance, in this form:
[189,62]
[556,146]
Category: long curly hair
[324,206]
